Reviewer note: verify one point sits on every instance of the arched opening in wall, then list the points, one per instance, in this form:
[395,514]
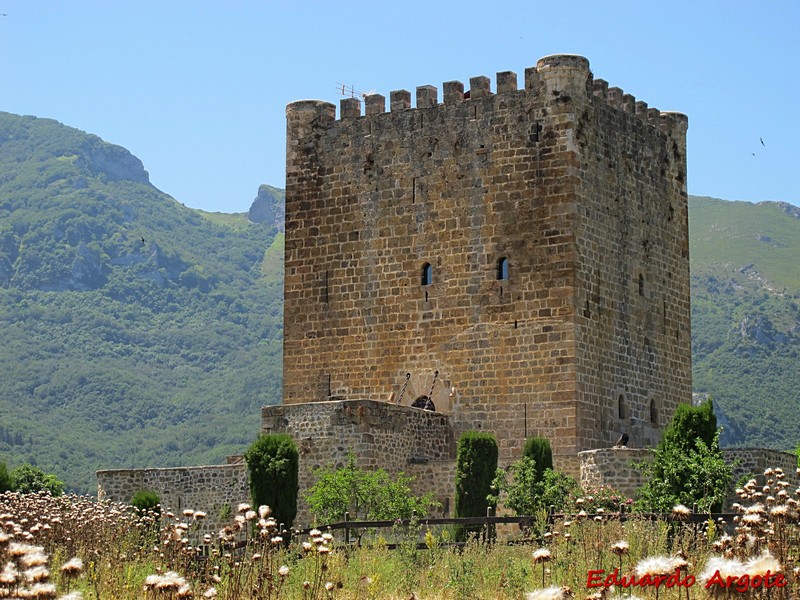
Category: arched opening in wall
[502,269]
[423,402]
[621,412]
[653,412]
[641,284]
[427,274]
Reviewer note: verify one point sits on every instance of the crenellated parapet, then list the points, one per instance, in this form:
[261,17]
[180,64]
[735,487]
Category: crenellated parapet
[560,78]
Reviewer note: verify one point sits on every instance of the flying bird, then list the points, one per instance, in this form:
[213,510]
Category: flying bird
[622,442]
[142,241]
[762,142]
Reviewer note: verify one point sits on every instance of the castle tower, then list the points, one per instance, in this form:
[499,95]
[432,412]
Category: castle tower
[519,258]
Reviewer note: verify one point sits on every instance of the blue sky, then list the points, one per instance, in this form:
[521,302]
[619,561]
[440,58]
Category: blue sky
[197,89]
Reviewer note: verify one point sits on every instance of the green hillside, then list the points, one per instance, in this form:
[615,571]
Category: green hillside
[746,318]
[137,332]
[133,331]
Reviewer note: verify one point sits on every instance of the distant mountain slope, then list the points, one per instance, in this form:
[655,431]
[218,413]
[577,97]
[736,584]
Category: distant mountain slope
[133,331]
[137,332]
[745,261]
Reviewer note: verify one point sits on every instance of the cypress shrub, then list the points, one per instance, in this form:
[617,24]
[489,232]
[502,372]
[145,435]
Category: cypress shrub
[538,450]
[272,462]
[690,423]
[5,479]
[476,464]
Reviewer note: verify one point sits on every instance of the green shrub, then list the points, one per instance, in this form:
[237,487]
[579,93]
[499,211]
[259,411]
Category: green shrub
[539,451]
[690,423]
[476,465]
[688,467]
[146,501]
[273,463]
[526,494]
[368,495]
[28,479]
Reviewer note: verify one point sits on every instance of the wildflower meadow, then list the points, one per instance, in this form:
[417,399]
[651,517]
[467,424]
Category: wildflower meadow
[73,547]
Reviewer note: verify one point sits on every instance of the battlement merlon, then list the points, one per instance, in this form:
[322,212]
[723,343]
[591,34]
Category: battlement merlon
[559,78]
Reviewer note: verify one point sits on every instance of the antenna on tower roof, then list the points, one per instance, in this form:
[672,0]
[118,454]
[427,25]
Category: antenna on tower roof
[350,91]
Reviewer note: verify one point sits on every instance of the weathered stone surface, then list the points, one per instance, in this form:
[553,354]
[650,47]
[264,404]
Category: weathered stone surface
[585,199]
[215,490]
[614,467]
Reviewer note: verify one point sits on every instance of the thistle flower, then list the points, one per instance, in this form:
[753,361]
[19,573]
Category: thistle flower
[243,507]
[759,565]
[210,593]
[72,568]
[751,519]
[9,575]
[551,593]
[724,566]
[655,565]
[621,547]
[36,574]
[42,591]
[541,555]
[264,511]
[329,586]
[283,571]
[679,511]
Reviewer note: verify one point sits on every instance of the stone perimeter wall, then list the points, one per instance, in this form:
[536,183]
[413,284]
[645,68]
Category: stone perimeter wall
[612,466]
[215,490]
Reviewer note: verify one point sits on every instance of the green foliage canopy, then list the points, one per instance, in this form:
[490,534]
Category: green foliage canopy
[5,479]
[118,352]
[28,479]
[364,494]
[687,468]
[538,449]
[273,464]
[527,492]
[476,466]
[146,501]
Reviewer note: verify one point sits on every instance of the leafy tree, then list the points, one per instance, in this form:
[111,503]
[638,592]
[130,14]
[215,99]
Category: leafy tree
[364,494]
[30,479]
[273,463]
[688,467]
[528,492]
[5,479]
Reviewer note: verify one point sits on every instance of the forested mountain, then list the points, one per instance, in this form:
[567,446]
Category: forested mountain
[133,331]
[745,261]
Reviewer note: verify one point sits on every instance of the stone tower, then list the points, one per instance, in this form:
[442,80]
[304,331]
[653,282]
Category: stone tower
[516,259]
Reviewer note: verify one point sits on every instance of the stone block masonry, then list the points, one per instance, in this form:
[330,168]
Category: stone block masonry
[216,490]
[523,255]
[614,467]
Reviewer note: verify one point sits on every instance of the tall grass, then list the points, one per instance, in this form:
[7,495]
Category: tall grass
[74,547]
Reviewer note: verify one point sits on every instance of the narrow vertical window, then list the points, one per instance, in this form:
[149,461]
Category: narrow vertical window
[641,284]
[621,406]
[502,269]
[427,274]
[653,412]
